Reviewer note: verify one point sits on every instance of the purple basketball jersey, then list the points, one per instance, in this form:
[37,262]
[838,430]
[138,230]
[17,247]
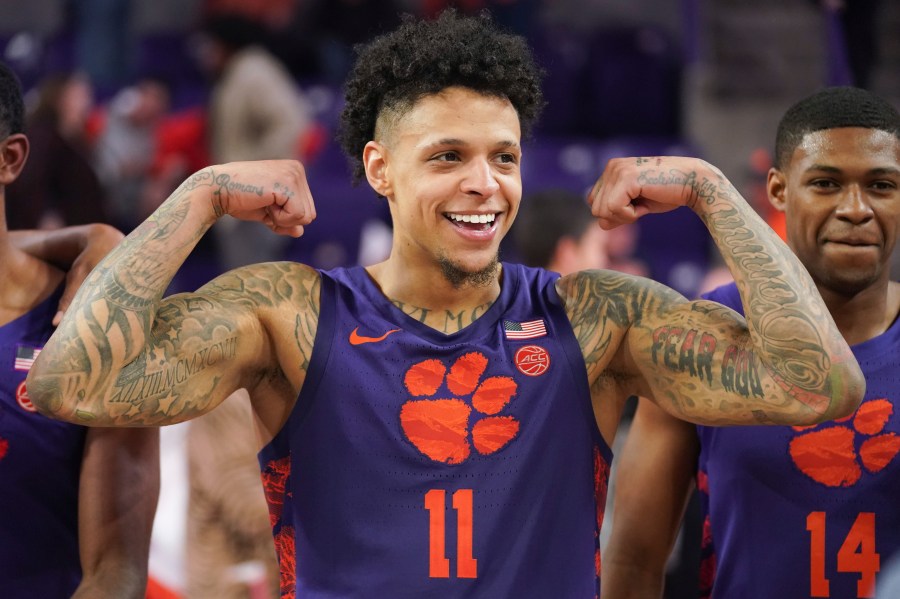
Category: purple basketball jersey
[40,465]
[420,464]
[806,511]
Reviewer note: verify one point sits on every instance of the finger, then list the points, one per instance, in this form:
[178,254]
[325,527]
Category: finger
[595,190]
[292,231]
[73,281]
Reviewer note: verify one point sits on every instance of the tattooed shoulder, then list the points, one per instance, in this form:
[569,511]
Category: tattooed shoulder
[603,304]
[269,284]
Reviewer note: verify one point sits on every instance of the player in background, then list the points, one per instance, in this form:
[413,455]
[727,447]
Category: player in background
[77,505]
[791,511]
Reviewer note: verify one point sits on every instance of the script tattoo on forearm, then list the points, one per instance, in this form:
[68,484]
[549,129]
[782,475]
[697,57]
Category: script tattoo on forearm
[783,325]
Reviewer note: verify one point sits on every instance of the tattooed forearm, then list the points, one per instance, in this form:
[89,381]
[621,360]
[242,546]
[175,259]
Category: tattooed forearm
[787,352]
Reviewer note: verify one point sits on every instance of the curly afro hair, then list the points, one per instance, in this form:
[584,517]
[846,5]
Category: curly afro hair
[421,58]
[12,108]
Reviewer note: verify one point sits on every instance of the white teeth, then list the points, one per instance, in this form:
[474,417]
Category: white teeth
[473,218]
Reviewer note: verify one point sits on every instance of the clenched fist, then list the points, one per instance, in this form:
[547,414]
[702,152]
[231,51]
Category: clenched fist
[630,188]
[274,192]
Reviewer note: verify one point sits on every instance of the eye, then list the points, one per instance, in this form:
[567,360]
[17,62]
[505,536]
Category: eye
[446,157]
[508,158]
[824,184]
[883,185]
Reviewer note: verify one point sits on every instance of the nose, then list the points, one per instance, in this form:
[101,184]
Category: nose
[854,206]
[480,179]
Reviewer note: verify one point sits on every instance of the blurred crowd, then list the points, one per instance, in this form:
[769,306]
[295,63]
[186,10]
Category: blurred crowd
[120,113]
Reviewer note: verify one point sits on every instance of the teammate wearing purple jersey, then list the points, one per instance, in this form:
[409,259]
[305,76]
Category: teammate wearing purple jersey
[77,504]
[792,511]
[438,424]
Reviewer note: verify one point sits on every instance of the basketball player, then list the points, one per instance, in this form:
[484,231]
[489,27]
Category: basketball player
[792,511]
[438,424]
[77,503]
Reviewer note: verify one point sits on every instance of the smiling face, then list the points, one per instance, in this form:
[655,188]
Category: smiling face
[841,196]
[449,167]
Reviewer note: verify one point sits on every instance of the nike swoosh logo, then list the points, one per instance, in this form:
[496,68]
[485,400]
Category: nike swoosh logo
[357,339]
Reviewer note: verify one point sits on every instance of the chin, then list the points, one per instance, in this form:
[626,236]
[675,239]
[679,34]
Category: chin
[851,285]
[473,273]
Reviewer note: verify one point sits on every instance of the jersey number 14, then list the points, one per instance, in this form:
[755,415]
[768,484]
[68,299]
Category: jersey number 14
[857,554]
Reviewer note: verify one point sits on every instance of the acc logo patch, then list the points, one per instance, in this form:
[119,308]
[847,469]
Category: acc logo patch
[22,398]
[532,360]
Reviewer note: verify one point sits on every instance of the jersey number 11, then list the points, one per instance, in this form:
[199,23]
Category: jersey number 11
[436,505]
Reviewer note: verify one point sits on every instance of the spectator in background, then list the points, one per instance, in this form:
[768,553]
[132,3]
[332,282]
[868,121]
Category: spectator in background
[126,148]
[339,25]
[104,40]
[556,230]
[229,552]
[59,185]
[857,29]
[256,112]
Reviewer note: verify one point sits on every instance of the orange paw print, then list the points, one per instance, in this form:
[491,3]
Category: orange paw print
[440,428]
[829,455]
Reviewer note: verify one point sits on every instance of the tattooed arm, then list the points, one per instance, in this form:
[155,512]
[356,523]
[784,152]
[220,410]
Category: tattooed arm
[785,364]
[124,356]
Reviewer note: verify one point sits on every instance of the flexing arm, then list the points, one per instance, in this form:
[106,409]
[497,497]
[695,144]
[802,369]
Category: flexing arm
[118,492]
[655,475]
[785,364]
[76,250]
[122,355]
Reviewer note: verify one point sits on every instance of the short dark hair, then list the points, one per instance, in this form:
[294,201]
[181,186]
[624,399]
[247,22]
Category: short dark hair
[421,58]
[12,107]
[832,108]
[546,217]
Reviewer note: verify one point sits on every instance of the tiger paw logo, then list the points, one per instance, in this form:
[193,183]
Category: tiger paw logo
[836,454]
[447,428]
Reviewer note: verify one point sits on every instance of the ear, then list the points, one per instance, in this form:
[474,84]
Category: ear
[13,153]
[375,160]
[776,187]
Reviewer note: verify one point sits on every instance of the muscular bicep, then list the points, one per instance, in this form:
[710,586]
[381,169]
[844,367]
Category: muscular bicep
[700,363]
[200,349]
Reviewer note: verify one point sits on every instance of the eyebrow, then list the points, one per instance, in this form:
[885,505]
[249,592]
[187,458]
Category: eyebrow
[882,170]
[452,141]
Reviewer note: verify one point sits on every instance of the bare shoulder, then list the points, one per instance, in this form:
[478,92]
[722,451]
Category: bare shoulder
[285,298]
[269,285]
[603,304]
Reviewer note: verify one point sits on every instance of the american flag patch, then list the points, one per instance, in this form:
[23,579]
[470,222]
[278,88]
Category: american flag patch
[524,330]
[25,355]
